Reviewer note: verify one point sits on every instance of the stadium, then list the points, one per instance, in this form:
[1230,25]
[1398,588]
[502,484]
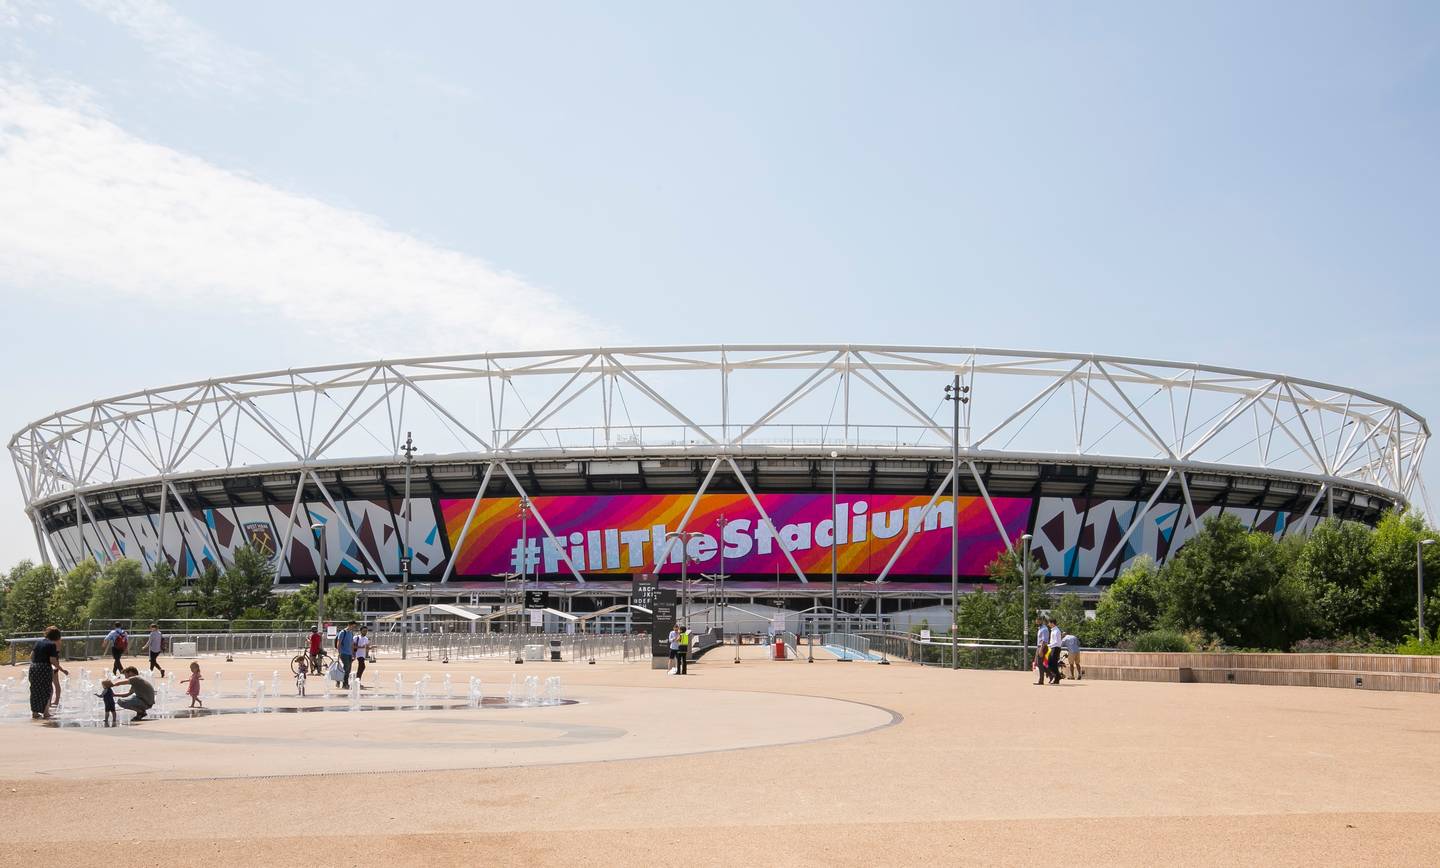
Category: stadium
[576,468]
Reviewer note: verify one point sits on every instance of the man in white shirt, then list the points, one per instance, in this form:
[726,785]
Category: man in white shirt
[1052,658]
[362,653]
[1042,644]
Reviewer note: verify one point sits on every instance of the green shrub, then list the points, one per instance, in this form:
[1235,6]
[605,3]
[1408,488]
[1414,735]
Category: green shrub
[1158,641]
[1415,646]
[1353,644]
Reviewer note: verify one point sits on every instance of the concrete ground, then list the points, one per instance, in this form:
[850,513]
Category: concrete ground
[762,762]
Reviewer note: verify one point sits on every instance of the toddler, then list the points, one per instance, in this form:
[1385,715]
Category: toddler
[301,671]
[194,688]
[107,695]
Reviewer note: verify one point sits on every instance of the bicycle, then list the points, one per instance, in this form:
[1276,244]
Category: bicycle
[315,665]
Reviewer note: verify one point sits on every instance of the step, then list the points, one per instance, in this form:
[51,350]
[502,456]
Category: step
[1408,682]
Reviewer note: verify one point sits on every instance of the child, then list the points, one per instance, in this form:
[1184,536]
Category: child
[112,717]
[301,671]
[194,688]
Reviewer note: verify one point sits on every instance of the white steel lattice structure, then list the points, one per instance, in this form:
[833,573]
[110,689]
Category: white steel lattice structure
[185,473]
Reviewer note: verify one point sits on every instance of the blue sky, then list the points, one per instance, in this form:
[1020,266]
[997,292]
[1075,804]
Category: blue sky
[196,190]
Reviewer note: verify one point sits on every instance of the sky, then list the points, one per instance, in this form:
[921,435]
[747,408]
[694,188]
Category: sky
[194,190]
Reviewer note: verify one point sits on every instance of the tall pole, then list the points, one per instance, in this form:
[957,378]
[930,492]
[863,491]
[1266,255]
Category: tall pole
[1024,599]
[834,537]
[409,450]
[1420,585]
[320,588]
[520,627]
[956,393]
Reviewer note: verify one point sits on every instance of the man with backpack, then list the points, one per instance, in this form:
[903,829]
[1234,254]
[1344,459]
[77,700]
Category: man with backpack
[118,642]
[345,645]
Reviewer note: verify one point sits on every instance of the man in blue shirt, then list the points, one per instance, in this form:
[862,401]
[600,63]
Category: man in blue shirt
[117,641]
[345,645]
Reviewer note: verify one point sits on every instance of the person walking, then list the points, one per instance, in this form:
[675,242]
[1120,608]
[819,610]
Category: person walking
[117,641]
[193,688]
[1042,647]
[45,670]
[141,697]
[1052,658]
[1071,644]
[674,649]
[345,646]
[362,653]
[155,644]
[315,641]
[682,658]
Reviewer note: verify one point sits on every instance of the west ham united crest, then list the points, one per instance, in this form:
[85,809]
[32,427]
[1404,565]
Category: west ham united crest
[262,536]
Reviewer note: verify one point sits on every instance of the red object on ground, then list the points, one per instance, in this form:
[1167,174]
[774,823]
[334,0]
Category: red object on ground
[779,649]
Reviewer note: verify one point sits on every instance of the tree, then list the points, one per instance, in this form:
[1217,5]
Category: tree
[116,591]
[1391,585]
[206,591]
[157,600]
[1133,604]
[27,602]
[71,597]
[1236,586]
[1335,565]
[299,605]
[245,586]
[1069,614]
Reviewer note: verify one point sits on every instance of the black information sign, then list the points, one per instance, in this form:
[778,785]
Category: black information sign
[186,604]
[664,620]
[537,599]
[643,593]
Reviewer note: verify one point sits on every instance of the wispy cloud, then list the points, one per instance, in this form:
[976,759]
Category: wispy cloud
[200,58]
[91,205]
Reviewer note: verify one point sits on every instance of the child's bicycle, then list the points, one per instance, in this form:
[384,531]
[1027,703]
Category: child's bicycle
[315,664]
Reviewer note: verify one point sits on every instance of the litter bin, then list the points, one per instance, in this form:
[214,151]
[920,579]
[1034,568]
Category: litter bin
[779,648]
[554,650]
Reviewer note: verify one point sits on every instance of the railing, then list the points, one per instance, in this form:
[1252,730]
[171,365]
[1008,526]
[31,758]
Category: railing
[849,641]
[940,650]
[452,646]
[511,646]
[641,437]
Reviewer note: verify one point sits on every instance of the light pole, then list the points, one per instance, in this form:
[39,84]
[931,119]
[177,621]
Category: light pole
[960,395]
[834,537]
[1024,599]
[320,596]
[684,536]
[363,583]
[405,589]
[520,628]
[1420,584]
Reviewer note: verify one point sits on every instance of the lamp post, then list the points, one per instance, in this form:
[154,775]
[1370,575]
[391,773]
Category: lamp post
[1420,585]
[684,536]
[834,537]
[320,588]
[1024,598]
[520,628]
[405,589]
[363,583]
[960,395]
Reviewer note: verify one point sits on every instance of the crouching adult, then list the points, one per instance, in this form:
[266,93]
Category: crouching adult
[141,696]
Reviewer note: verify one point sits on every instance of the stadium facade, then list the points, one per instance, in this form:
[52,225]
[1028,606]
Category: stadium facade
[574,465]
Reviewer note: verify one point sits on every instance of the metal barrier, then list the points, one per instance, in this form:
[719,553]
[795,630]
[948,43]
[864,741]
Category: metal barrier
[442,646]
[849,641]
[573,647]
[970,652]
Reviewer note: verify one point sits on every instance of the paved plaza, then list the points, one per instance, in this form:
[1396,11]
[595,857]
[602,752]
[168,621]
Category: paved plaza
[757,763]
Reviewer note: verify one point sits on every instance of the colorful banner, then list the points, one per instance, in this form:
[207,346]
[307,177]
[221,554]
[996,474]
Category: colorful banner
[624,533]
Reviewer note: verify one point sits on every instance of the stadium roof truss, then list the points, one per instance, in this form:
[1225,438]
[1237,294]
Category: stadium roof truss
[720,403]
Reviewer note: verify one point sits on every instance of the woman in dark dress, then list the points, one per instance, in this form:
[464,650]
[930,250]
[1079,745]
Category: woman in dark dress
[44,669]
